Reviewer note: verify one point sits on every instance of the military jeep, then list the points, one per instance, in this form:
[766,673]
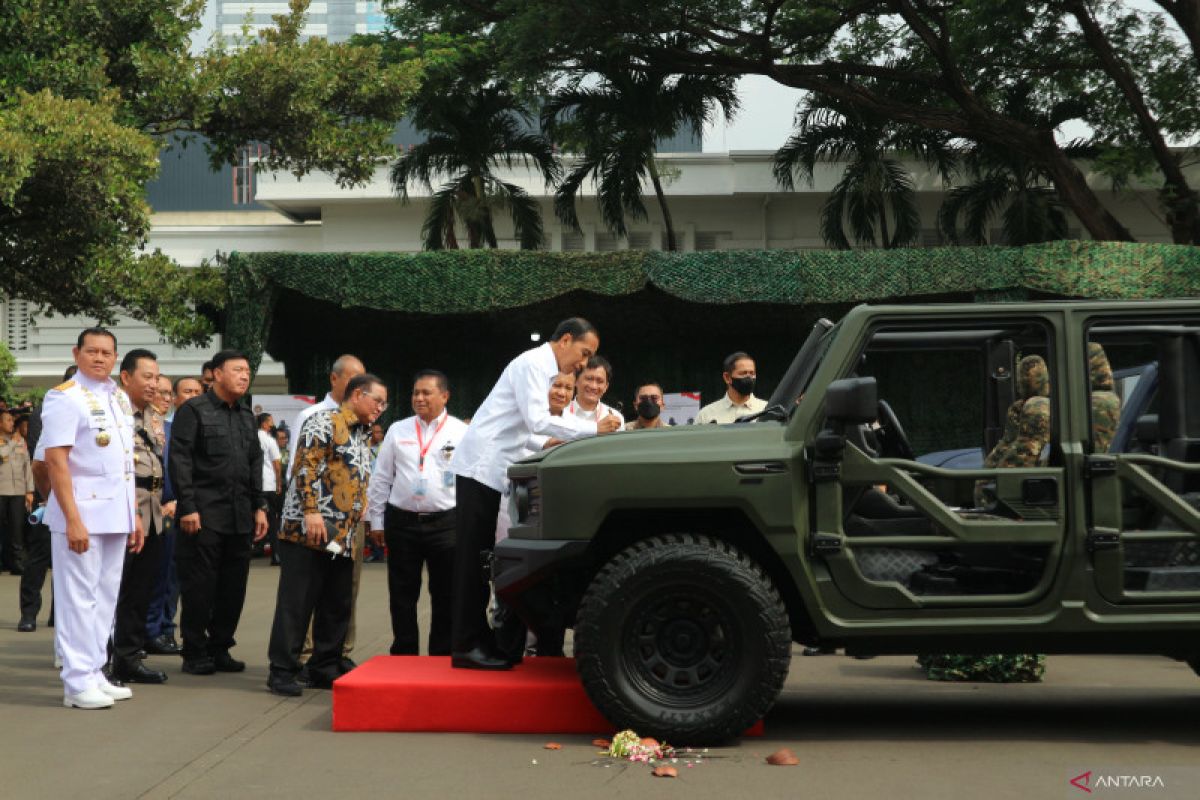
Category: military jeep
[689,560]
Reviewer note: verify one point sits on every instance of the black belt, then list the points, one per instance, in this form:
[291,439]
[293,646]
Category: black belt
[420,517]
[148,483]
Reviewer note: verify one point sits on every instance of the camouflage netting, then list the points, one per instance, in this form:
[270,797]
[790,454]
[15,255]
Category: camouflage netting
[667,316]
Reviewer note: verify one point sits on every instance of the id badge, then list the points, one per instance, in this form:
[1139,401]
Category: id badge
[422,486]
[447,479]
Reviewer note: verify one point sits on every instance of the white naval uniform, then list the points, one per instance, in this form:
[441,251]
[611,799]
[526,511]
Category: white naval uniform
[75,415]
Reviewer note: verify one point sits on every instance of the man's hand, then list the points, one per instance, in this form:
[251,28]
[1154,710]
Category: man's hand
[28,502]
[190,522]
[137,539]
[261,526]
[608,424]
[168,509]
[77,537]
[377,538]
[314,527]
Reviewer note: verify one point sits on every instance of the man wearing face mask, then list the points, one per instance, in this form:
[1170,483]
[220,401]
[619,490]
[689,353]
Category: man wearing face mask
[739,399]
[648,403]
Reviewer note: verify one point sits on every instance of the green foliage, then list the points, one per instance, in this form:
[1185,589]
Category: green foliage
[473,126]
[8,372]
[833,131]
[88,93]
[615,128]
[943,67]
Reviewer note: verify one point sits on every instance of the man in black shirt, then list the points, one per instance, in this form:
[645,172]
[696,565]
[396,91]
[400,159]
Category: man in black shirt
[215,466]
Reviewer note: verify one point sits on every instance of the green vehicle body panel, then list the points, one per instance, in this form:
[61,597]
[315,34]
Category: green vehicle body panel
[756,478]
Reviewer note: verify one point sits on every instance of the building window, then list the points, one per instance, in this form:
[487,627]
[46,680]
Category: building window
[639,240]
[707,240]
[572,242]
[605,242]
[243,174]
[16,325]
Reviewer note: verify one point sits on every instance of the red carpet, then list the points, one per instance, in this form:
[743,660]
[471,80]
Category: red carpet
[422,693]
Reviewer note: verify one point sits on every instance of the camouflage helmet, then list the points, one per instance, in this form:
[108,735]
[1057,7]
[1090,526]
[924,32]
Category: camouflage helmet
[1099,368]
[1033,378]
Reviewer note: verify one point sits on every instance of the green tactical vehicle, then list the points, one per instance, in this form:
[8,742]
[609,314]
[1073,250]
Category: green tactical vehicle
[689,560]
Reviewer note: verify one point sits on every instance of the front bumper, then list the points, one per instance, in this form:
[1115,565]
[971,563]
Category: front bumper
[541,580]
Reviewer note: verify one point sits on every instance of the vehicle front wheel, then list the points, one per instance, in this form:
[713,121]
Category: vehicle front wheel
[683,637]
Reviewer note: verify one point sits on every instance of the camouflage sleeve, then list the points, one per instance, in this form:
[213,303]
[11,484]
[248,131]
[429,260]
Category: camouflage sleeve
[1106,414]
[1033,434]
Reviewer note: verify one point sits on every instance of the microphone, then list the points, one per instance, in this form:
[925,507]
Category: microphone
[35,516]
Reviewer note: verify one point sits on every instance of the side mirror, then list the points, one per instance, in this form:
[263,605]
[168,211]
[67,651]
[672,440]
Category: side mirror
[852,401]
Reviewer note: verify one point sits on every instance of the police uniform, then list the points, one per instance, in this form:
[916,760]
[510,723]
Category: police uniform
[141,569]
[95,420]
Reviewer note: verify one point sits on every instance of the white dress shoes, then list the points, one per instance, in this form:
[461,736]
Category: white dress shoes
[115,692]
[91,698]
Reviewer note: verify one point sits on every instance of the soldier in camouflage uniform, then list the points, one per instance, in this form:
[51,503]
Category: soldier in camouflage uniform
[1106,406]
[1026,434]
[1027,425]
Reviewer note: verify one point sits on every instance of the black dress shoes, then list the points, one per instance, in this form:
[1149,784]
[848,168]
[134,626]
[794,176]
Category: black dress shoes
[27,625]
[287,687]
[223,662]
[164,645]
[139,673]
[479,658]
[346,664]
[199,666]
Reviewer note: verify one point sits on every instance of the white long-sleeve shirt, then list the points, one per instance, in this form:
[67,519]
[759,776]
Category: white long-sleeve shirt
[515,408]
[328,404]
[397,477]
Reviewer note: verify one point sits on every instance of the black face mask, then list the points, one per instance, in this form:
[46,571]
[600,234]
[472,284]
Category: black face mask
[648,409]
[744,385]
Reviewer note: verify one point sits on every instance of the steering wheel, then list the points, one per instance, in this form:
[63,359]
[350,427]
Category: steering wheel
[894,441]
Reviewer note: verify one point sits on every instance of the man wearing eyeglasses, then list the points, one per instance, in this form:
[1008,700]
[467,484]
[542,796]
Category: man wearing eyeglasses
[322,517]
[648,402]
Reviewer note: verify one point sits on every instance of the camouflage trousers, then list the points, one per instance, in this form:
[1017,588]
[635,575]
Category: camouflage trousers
[991,669]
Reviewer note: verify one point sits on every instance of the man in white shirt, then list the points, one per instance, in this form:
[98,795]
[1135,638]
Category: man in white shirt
[411,507]
[593,382]
[87,446]
[515,409]
[344,368]
[272,481]
[739,400]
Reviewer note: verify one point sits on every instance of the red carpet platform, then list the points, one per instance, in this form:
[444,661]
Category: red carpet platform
[422,693]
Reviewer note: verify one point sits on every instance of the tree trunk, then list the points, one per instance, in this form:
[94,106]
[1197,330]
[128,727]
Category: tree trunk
[883,228]
[449,238]
[1072,188]
[1180,200]
[662,203]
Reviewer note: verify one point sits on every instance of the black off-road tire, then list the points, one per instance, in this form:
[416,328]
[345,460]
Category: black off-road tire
[684,638]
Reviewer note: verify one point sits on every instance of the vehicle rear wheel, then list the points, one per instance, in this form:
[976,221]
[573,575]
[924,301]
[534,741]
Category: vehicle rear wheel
[683,637]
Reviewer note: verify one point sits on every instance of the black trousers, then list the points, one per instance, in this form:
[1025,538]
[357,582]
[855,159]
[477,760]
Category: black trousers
[312,585]
[274,519]
[213,568]
[133,599]
[412,544]
[37,561]
[476,512]
[12,530]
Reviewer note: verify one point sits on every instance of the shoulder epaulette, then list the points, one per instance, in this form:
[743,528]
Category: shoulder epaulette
[62,387]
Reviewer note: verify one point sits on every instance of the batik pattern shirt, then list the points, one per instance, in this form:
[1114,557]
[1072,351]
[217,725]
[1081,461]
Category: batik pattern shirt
[332,472]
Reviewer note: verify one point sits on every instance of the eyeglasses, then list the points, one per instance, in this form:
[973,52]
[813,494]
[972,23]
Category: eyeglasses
[378,401]
[651,397]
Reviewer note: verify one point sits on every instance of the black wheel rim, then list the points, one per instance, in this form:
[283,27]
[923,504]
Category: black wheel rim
[681,647]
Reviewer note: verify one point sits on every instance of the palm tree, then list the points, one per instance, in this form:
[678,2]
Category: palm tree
[875,196]
[1008,183]
[615,128]
[470,132]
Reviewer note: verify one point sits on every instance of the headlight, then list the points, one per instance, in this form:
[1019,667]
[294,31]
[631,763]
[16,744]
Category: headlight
[526,500]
